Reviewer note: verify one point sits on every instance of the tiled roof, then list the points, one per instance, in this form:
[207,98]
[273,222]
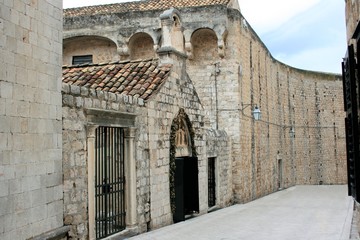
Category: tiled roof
[136,78]
[140,6]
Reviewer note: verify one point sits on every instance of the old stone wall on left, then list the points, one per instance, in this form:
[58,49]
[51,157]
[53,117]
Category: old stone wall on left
[31,192]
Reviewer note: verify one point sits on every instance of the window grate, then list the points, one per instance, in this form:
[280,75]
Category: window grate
[351,96]
[109,181]
[211,182]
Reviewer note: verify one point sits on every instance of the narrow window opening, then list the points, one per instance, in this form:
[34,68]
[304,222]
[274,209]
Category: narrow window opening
[211,183]
[84,59]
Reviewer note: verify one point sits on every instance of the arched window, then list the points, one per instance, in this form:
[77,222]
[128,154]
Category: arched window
[141,46]
[182,140]
[94,48]
[204,43]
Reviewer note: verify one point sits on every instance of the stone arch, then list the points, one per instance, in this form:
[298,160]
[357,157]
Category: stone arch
[141,46]
[181,123]
[102,49]
[204,44]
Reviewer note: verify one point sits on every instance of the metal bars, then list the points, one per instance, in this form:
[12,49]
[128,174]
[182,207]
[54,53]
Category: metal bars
[351,88]
[109,181]
[211,183]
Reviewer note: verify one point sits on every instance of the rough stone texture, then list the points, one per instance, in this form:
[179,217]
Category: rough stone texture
[31,199]
[218,146]
[308,102]
[75,166]
[230,71]
[102,50]
[153,123]
[352,14]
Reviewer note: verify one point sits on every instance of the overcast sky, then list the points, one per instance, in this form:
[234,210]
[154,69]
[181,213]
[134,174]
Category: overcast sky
[307,34]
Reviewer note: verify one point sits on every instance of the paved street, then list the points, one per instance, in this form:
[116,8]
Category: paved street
[301,212]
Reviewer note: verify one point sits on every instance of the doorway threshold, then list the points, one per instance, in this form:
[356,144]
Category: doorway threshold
[213,209]
[191,215]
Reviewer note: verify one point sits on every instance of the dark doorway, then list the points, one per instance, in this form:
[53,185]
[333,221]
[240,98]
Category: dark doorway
[186,188]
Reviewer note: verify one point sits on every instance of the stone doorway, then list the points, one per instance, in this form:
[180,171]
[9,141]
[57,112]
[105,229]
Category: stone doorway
[184,183]
[186,188]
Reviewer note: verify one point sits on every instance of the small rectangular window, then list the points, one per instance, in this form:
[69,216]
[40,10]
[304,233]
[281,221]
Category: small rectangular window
[84,59]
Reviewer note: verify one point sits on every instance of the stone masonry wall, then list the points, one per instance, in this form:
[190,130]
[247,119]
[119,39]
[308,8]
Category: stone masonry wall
[218,146]
[310,103]
[31,199]
[101,50]
[241,75]
[352,14]
[179,92]
[75,129]
[153,123]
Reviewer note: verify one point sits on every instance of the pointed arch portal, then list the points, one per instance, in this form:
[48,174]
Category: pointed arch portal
[184,181]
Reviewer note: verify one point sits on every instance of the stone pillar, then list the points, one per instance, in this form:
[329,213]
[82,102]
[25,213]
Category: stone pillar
[130,174]
[172,31]
[91,179]
[189,50]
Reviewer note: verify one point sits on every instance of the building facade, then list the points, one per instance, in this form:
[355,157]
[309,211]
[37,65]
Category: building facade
[175,85]
[153,121]
[31,185]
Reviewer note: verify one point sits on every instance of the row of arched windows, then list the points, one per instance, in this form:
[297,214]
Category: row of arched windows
[140,46]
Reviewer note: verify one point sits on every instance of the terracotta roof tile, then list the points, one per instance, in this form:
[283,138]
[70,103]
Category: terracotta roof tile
[139,6]
[121,77]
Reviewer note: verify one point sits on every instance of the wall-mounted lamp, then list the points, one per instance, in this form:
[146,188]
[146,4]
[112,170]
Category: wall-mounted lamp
[292,132]
[256,113]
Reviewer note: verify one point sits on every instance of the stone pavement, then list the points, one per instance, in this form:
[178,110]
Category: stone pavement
[301,212]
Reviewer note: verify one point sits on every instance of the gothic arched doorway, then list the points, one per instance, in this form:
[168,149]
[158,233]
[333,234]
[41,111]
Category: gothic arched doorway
[184,183]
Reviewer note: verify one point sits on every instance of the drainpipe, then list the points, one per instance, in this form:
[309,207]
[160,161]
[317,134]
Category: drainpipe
[217,72]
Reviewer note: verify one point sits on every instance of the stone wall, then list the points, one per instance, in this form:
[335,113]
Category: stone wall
[309,103]
[153,124]
[103,50]
[218,146]
[75,151]
[176,93]
[352,13]
[31,199]
[141,46]
[231,76]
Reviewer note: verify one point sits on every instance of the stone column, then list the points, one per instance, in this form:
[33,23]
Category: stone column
[91,179]
[130,174]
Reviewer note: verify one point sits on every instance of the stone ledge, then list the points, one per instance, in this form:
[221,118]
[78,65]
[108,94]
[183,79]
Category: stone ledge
[55,234]
[127,233]
[76,91]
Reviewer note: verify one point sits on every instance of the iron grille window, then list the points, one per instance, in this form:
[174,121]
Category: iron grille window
[211,182]
[78,60]
[109,181]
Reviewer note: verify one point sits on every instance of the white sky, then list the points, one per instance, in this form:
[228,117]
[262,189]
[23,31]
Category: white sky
[307,34]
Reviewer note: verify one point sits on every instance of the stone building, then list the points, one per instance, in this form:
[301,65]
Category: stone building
[158,103]
[351,99]
[31,192]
